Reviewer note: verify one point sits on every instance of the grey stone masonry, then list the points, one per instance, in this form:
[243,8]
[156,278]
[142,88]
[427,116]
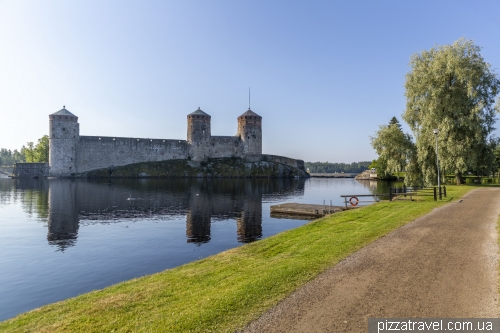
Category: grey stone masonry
[71,153]
[250,132]
[64,135]
[31,170]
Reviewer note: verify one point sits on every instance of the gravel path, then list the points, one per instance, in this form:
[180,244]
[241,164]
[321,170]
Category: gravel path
[443,264]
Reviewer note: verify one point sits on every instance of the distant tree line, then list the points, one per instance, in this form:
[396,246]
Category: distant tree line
[29,153]
[326,167]
[9,157]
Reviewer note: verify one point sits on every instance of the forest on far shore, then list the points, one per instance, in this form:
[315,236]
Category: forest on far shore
[326,167]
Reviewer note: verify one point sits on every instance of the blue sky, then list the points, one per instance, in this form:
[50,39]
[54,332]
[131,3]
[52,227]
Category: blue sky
[323,74]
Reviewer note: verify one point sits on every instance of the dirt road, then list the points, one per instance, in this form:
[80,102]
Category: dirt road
[441,265]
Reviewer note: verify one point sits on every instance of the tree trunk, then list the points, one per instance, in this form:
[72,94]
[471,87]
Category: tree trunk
[458,177]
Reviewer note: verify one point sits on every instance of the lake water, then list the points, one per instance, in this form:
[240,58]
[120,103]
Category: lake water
[60,238]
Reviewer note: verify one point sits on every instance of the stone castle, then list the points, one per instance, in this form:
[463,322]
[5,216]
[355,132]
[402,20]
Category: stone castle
[71,153]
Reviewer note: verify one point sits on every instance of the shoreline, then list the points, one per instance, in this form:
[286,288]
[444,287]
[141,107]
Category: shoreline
[226,291]
[4,172]
[264,166]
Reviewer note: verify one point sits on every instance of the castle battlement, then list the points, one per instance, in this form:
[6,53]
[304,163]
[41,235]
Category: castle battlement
[69,152]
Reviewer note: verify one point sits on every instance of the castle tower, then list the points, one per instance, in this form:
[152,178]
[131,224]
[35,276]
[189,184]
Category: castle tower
[198,134]
[250,132]
[64,133]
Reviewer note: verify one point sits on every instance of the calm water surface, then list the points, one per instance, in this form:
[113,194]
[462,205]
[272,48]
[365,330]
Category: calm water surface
[61,238]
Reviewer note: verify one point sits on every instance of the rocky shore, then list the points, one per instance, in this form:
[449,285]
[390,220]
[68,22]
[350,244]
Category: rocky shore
[232,167]
[367,175]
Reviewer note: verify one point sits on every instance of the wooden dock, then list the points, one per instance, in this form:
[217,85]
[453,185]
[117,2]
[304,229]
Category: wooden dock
[306,210]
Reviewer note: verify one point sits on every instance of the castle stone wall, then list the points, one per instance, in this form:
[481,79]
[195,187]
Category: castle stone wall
[71,153]
[31,169]
[95,152]
[225,146]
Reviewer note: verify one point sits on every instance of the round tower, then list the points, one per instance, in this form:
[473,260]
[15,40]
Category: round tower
[64,133]
[198,134]
[250,132]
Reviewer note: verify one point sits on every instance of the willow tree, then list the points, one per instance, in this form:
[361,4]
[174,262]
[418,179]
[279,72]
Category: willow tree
[452,89]
[396,151]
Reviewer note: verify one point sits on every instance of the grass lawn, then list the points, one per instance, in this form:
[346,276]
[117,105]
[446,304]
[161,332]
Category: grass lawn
[226,291]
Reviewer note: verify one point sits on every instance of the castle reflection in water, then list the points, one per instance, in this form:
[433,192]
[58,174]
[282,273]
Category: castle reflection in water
[66,203]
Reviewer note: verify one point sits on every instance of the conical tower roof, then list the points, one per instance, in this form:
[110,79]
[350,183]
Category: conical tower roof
[199,112]
[250,113]
[63,112]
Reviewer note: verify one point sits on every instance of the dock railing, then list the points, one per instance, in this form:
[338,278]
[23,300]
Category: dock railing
[420,192]
[411,192]
[354,201]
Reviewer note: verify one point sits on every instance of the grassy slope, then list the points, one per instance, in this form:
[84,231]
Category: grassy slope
[226,291]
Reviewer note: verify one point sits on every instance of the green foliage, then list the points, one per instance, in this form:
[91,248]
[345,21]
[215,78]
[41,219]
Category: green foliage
[487,159]
[396,152]
[42,149]
[326,167]
[29,152]
[38,153]
[9,158]
[496,159]
[374,164]
[451,88]
[394,121]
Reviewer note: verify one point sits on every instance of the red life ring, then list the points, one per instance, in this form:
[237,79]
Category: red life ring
[354,201]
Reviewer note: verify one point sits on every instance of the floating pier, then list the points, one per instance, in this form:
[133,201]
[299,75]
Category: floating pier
[304,210]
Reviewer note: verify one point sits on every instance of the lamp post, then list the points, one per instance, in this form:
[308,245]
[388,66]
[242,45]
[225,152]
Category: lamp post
[437,162]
